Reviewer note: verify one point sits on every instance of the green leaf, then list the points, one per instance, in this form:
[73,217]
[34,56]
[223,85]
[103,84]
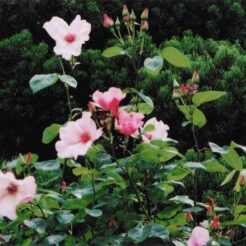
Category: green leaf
[81,171]
[153,65]
[217,149]
[158,231]
[199,118]
[94,212]
[235,145]
[233,159]
[229,177]
[175,57]
[213,166]
[195,165]
[112,51]
[37,224]
[149,128]
[183,199]
[186,110]
[54,239]
[177,174]
[65,217]
[145,108]
[50,165]
[206,96]
[41,81]
[50,133]
[69,80]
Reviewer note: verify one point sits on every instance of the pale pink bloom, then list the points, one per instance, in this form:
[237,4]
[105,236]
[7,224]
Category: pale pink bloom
[198,237]
[128,123]
[109,100]
[14,192]
[77,137]
[69,39]
[158,133]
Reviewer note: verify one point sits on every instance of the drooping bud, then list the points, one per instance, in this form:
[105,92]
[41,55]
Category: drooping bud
[195,76]
[133,16]
[212,202]
[188,216]
[144,26]
[191,88]
[183,89]
[215,223]
[28,158]
[112,222]
[107,21]
[176,84]
[125,11]
[145,14]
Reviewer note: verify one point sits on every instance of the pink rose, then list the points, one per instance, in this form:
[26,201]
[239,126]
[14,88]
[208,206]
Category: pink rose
[77,137]
[128,123]
[14,192]
[69,39]
[158,133]
[198,237]
[109,100]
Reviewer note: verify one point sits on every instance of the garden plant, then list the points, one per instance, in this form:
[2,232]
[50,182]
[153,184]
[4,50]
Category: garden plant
[119,178]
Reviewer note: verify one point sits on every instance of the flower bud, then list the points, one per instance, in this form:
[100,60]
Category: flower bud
[212,202]
[195,76]
[144,26]
[107,21]
[176,84]
[125,11]
[191,88]
[133,16]
[215,223]
[183,89]
[188,216]
[112,222]
[117,22]
[209,210]
[242,180]
[175,93]
[28,158]
[145,14]
[63,186]
[91,107]
[126,18]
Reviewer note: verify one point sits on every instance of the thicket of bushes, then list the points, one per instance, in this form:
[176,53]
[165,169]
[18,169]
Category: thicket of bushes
[221,66]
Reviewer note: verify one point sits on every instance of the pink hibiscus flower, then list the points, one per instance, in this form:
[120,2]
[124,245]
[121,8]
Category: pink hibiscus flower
[77,137]
[14,192]
[128,123]
[158,133]
[69,39]
[109,100]
[198,237]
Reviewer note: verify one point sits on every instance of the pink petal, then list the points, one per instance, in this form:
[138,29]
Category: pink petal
[198,237]
[27,189]
[57,28]
[8,206]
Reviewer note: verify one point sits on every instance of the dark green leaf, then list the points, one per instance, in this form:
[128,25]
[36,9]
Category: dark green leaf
[37,224]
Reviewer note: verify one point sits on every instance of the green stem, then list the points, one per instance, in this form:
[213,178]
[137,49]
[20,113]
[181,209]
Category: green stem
[92,181]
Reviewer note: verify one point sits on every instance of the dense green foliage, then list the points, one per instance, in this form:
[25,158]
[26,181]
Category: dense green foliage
[221,66]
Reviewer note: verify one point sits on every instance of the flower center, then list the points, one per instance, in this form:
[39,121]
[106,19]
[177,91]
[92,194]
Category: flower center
[85,137]
[12,188]
[70,38]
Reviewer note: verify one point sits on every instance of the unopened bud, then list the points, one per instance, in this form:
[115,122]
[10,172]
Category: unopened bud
[191,88]
[182,89]
[117,22]
[145,14]
[195,76]
[175,84]
[188,216]
[91,107]
[28,158]
[175,93]
[242,180]
[209,210]
[112,222]
[215,223]
[145,26]
[133,16]
[107,21]
[125,11]
[212,202]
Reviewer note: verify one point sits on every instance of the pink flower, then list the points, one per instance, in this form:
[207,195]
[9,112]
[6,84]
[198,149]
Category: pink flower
[109,100]
[158,133]
[128,123]
[198,237]
[77,137]
[14,192]
[69,39]
[107,21]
